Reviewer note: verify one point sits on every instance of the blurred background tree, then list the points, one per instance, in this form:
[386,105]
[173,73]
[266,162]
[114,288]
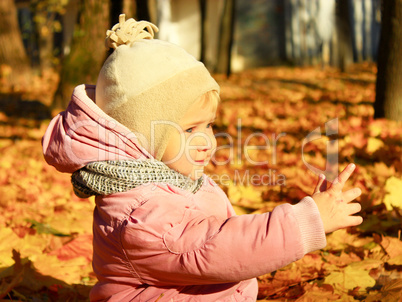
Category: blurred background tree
[46,19]
[12,51]
[388,102]
[343,53]
[83,62]
[227,35]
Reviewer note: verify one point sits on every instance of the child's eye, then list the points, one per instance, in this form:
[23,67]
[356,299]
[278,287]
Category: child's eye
[191,130]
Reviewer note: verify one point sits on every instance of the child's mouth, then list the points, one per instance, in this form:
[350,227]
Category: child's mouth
[202,161]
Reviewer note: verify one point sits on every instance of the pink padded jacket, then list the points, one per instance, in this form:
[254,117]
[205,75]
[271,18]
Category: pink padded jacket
[160,243]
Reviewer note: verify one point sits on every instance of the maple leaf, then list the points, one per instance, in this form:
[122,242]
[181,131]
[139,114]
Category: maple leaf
[374,144]
[350,278]
[314,293]
[390,292]
[341,240]
[80,246]
[397,260]
[393,198]
[392,246]
[281,281]
[7,236]
[305,269]
[342,260]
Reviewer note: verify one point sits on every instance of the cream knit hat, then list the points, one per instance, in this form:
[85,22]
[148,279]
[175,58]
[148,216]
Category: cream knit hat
[145,82]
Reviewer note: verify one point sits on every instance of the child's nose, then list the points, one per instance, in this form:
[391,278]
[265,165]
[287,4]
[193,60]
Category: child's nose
[202,143]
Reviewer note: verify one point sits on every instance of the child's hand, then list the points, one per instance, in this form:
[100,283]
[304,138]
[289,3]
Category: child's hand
[335,206]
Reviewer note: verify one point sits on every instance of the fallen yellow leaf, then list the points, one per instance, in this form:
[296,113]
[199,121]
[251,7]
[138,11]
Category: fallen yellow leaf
[393,198]
[374,144]
[350,278]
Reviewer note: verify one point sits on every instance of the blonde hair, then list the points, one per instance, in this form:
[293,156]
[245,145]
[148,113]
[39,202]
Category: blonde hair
[210,99]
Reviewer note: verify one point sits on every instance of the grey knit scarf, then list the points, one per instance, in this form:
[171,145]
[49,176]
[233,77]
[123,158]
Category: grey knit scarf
[108,177]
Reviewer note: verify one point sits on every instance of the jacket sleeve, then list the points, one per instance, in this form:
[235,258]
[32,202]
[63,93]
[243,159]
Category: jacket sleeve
[167,242]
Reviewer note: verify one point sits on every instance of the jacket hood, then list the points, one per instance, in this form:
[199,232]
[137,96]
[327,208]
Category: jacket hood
[83,133]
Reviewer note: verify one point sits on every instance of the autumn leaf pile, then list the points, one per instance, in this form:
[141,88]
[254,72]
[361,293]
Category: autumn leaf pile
[264,119]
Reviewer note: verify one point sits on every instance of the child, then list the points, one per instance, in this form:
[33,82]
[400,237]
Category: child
[164,231]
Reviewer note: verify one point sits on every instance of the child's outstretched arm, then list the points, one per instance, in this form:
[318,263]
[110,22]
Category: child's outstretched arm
[170,241]
[336,207]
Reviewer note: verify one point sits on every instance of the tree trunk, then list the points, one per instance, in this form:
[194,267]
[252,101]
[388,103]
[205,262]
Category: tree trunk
[211,38]
[12,51]
[69,19]
[46,38]
[116,8]
[88,50]
[203,11]
[343,51]
[226,38]
[129,8]
[388,101]
[143,10]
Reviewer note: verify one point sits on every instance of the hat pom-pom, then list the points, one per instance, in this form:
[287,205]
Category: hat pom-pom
[127,32]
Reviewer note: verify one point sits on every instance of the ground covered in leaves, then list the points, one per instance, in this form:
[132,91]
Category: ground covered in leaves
[266,157]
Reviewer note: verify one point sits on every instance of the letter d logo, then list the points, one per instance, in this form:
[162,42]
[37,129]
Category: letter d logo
[331,167]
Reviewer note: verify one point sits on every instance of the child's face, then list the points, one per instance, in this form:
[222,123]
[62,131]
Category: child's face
[190,150]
